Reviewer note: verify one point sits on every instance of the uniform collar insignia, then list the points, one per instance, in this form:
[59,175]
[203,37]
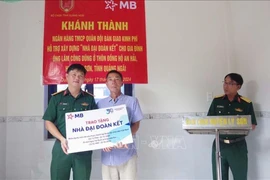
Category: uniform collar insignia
[236,98]
[66,92]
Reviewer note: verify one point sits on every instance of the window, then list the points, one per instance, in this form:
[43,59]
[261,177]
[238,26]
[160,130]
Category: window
[99,90]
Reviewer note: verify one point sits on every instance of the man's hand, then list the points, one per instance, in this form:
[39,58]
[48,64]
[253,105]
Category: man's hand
[121,146]
[55,132]
[118,146]
[108,149]
[64,145]
[253,126]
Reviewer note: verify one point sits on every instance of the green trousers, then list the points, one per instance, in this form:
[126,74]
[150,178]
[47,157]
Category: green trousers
[233,156]
[61,164]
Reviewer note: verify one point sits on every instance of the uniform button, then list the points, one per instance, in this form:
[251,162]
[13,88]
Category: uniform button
[64,108]
[75,109]
[229,104]
[228,112]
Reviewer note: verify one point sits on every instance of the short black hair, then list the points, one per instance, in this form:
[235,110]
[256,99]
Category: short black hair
[235,77]
[116,72]
[79,67]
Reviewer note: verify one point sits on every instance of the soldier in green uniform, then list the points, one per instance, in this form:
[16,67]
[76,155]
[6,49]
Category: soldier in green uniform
[70,100]
[233,148]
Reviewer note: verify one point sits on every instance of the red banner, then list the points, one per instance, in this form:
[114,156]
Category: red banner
[101,35]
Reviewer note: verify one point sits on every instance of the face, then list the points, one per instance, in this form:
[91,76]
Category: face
[114,83]
[75,78]
[230,87]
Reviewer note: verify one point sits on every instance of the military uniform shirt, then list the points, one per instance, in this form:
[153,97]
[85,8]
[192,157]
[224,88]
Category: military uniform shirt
[63,102]
[221,106]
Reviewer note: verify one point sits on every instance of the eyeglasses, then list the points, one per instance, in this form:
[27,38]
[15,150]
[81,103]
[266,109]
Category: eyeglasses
[229,83]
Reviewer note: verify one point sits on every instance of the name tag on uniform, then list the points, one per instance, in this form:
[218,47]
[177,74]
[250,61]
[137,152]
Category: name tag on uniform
[64,104]
[220,106]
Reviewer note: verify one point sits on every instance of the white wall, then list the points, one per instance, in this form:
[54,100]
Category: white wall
[3,85]
[166,151]
[2,151]
[187,55]
[25,58]
[4,13]
[28,155]
[191,46]
[251,27]
[259,151]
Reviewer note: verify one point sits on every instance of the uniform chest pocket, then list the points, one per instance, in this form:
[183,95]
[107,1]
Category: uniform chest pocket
[80,108]
[220,111]
[63,109]
[239,111]
[83,108]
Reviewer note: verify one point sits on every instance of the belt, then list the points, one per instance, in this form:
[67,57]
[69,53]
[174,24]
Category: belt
[230,141]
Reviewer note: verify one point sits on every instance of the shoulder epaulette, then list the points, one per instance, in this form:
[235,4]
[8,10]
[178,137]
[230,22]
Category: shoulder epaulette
[219,96]
[88,93]
[245,99]
[57,92]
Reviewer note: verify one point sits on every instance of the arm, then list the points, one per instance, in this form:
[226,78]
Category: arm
[136,117]
[93,104]
[50,116]
[54,131]
[211,111]
[253,118]
[135,127]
